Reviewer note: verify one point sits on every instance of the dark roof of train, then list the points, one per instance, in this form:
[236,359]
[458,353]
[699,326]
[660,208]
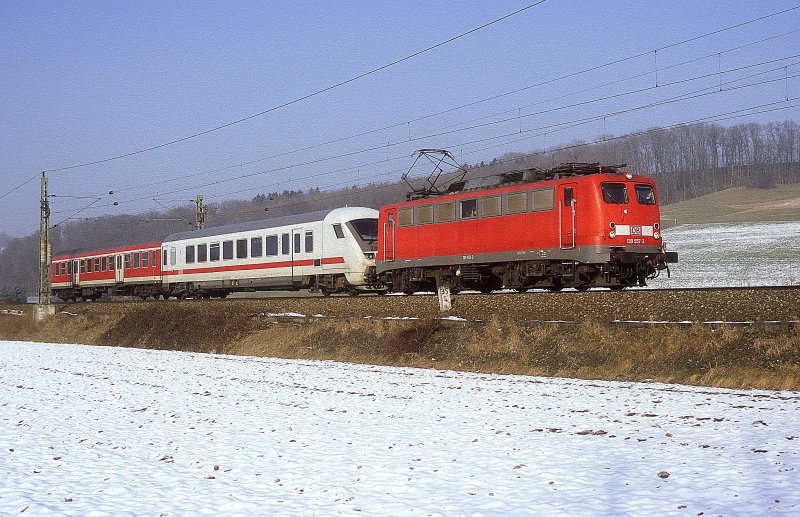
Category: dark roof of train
[286,220]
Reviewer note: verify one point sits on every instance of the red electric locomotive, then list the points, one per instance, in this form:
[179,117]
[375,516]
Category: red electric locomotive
[577,225]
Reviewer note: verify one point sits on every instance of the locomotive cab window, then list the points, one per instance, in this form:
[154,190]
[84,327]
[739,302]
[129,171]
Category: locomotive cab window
[645,195]
[366,229]
[615,193]
[569,196]
[337,229]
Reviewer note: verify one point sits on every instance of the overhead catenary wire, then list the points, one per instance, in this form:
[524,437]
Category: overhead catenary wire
[549,128]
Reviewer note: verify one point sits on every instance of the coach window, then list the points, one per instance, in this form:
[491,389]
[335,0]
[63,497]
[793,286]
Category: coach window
[309,242]
[144,258]
[285,244]
[227,250]
[272,245]
[111,263]
[202,252]
[645,195]
[127,261]
[445,212]
[136,261]
[241,248]
[337,229]
[154,257]
[190,254]
[469,208]
[615,193]
[173,256]
[164,255]
[213,251]
[103,263]
[256,247]
[297,242]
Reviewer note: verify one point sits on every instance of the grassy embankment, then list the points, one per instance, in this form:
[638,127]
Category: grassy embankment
[763,356]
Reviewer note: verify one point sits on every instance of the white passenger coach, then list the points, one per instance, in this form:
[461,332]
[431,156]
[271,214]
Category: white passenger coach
[327,251]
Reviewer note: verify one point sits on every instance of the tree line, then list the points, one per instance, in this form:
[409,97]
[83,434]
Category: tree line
[686,162]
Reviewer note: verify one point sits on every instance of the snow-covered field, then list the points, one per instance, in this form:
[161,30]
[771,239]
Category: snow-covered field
[733,255]
[113,431]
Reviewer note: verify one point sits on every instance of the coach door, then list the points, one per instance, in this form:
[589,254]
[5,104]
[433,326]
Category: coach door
[119,271]
[75,274]
[566,210]
[388,238]
[297,240]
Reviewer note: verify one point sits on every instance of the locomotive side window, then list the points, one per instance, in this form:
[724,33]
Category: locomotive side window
[202,252]
[569,195]
[423,214]
[309,242]
[490,206]
[543,199]
[256,247]
[285,243]
[272,245]
[337,229]
[241,249]
[645,195]
[469,208]
[213,251]
[615,193]
[517,202]
[405,216]
[227,250]
[446,212]
[190,254]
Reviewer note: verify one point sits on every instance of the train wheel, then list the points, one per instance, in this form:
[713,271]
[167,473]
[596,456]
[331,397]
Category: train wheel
[352,292]
[324,291]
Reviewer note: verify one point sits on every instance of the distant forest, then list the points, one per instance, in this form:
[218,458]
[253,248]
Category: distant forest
[686,162]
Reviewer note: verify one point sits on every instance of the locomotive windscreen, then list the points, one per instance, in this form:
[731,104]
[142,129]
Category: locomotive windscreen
[367,229]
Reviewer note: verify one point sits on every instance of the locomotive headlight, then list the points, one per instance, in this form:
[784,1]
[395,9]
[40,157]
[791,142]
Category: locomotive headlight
[629,175]
[656,226]
[656,235]
[612,234]
[612,225]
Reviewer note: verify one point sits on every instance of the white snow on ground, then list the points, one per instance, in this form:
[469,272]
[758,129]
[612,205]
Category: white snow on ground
[112,431]
[733,255]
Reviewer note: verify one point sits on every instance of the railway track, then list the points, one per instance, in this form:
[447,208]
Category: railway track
[729,304]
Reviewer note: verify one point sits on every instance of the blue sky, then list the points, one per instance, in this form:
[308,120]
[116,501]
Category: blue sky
[87,81]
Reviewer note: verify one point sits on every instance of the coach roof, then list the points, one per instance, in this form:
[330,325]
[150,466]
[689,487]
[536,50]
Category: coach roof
[263,224]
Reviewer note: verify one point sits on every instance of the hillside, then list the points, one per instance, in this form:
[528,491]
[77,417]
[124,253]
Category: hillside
[737,205]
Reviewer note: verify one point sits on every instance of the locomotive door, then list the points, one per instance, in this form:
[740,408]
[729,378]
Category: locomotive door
[119,271]
[566,210]
[388,238]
